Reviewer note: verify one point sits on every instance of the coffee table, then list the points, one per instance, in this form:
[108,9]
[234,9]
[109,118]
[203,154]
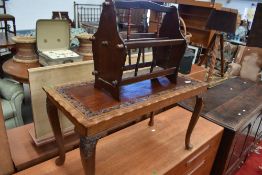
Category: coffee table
[96,114]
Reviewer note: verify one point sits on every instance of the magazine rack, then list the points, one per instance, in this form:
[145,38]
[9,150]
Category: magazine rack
[110,47]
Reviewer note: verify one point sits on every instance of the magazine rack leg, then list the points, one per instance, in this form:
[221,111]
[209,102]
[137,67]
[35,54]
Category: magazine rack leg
[193,121]
[55,124]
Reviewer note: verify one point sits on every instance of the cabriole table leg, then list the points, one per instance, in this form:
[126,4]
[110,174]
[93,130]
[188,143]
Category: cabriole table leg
[193,121]
[88,153]
[55,124]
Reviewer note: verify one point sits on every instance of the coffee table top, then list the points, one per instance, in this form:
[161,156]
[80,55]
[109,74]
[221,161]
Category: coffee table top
[93,110]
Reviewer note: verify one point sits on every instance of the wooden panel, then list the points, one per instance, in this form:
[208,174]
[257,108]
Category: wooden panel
[6,163]
[254,37]
[140,149]
[58,74]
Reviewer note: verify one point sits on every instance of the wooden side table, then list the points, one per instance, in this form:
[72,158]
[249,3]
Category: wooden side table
[95,114]
[18,71]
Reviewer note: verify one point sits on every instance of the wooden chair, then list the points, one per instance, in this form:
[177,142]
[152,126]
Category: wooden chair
[4,19]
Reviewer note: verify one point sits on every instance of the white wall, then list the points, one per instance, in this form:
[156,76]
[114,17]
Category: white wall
[27,12]
[238,4]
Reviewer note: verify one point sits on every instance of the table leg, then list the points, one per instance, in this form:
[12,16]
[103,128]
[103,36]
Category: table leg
[55,124]
[88,153]
[193,121]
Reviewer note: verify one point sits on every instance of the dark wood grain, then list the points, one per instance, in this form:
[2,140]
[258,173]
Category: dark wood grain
[238,109]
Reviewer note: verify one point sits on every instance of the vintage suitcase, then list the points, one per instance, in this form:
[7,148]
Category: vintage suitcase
[53,40]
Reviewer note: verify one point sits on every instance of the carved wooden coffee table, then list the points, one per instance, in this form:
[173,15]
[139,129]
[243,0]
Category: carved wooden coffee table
[95,113]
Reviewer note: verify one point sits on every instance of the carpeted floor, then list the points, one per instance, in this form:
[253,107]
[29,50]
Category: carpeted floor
[252,164]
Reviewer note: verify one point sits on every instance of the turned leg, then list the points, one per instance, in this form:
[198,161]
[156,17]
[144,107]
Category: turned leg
[222,55]
[55,124]
[193,121]
[137,61]
[88,153]
[212,62]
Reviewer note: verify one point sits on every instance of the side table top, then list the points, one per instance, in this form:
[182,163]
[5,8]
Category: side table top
[94,111]
[18,71]
[232,103]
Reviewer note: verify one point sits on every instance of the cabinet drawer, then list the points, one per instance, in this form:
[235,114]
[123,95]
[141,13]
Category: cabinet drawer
[200,161]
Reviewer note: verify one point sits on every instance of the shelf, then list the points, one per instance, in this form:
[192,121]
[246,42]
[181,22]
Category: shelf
[197,28]
[193,15]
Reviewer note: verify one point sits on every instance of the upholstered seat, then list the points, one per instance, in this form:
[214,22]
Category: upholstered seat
[12,96]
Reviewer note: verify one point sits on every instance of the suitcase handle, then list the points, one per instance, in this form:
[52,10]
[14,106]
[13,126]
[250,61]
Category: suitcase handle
[68,61]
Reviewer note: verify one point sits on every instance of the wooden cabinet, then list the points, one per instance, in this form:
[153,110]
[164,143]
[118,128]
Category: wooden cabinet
[199,162]
[237,106]
[244,141]
[140,149]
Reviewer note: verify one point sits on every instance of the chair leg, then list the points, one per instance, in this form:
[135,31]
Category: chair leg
[6,30]
[14,27]
[222,54]
[138,61]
